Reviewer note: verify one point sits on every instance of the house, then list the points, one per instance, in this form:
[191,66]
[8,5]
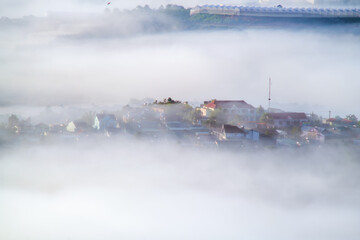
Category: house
[78,126]
[252,135]
[229,132]
[340,122]
[331,134]
[312,134]
[234,107]
[105,121]
[288,119]
[183,128]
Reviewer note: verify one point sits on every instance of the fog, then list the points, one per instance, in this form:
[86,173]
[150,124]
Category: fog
[74,57]
[134,190]
[109,60]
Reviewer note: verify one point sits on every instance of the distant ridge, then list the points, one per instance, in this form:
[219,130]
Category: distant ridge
[278,11]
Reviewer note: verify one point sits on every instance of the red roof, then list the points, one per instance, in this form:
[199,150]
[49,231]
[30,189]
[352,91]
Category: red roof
[347,120]
[226,104]
[289,115]
[339,120]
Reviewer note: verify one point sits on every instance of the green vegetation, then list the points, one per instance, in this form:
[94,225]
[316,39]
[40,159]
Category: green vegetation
[266,118]
[260,110]
[13,121]
[168,100]
[190,114]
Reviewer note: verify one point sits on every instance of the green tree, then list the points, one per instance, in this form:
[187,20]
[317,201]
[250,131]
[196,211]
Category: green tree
[213,117]
[295,131]
[260,110]
[13,121]
[235,119]
[352,118]
[266,118]
[89,118]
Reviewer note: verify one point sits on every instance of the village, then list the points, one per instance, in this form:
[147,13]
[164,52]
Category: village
[223,124]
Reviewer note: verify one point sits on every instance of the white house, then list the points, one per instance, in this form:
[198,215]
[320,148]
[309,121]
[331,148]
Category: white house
[229,132]
[77,126]
[236,107]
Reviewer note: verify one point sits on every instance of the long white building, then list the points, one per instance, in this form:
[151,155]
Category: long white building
[278,11]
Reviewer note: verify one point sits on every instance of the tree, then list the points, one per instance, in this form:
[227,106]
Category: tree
[89,118]
[168,100]
[13,121]
[191,115]
[295,131]
[314,119]
[266,118]
[213,117]
[352,118]
[235,119]
[260,110]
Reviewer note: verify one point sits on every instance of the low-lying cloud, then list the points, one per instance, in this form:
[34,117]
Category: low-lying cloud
[313,71]
[135,190]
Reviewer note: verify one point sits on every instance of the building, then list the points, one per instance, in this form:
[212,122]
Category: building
[78,127]
[105,122]
[252,135]
[230,132]
[288,119]
[312,134]
[340,122]
[287,2]
[277,11]
[232,107]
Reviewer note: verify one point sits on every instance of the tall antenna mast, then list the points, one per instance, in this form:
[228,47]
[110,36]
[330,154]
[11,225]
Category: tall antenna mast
[269,93]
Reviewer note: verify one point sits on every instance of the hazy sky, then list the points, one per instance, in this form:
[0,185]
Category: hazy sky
[17,8]
[104,60]
[310,71]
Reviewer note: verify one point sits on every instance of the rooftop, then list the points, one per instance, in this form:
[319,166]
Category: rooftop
[289,115]
[226,104]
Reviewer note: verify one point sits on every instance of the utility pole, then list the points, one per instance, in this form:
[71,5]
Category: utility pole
[269,94]
[329,114]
